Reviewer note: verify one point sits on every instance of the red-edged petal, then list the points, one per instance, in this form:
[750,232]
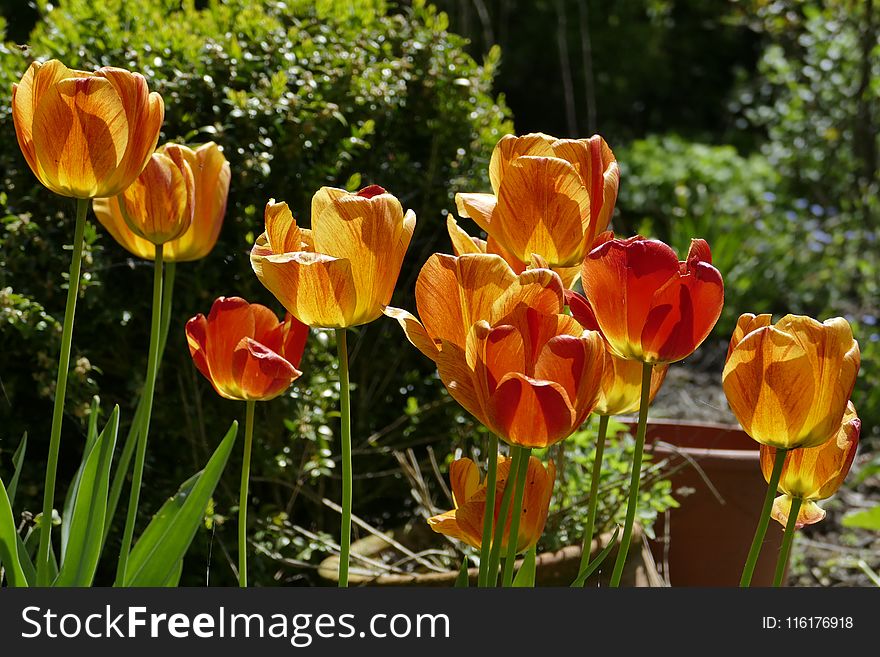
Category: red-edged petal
[530,413]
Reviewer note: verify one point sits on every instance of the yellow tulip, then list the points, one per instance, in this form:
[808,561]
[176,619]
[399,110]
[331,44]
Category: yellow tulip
[85,135]
[211,175]
[342,272]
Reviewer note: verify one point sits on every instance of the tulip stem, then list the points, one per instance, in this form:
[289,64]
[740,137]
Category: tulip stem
[345,418]
[633,501]
[513,536]
[787,539]
[243,493]
[595,476]
[501,524]
[131,439]
[144,425]
[764,519]
[489,517]
[82,207]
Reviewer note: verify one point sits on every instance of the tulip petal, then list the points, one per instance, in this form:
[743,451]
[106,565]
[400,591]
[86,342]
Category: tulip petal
[293,339]
[316,288]
[510,147]
[577,364]
[196,339]
[810,513]
[597,167]
[459,379]
[158,204]
[538,289]
[530,413]
[259,372]
[542,206]
[770,386]
[478,207]
[464,479]
[80,135]
[415,332]
[282,233]
[109,214]
[447,524]
[463,243]
[229,321]
[747,323]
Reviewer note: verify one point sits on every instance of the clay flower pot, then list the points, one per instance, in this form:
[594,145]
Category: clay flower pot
[708,537]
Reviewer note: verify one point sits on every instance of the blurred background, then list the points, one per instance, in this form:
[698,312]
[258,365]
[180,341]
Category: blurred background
[750,123]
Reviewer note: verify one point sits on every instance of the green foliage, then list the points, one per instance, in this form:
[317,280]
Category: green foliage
[568,508]
[866,519]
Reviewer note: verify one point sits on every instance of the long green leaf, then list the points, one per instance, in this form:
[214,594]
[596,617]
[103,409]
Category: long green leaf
[24,559]
[9,543]
[169,534]
[86,522]
[461,582]
[91,437]
[595,563]
[17,460]
[525,576]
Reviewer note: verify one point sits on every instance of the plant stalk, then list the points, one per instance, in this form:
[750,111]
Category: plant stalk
[764,520]
[595,476]
[144,428]
[243,494]
[345,419]
[787,539]
[633,501]
[501,524]
[489,515]
[82,207]
[513,536]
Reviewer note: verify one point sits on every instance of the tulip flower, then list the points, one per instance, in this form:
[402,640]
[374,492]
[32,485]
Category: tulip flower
[788,383]
[85,135]
[211,175]
[244,351]
[813,473]
[649,306]
[809,474]
[504,348]
[465,521]
[341,272]
[551,196]
[248,355]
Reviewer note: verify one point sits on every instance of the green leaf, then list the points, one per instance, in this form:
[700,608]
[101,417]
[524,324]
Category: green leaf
[9,543]
[24,559]
[174,577]
[17,460]
[461,582]
[595,563]
[525,576]
[166,539]
[86,519]
[91,437]
[867,519]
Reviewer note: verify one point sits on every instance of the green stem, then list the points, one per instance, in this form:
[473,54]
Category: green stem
[764,520]
[144,428]
[121,473]
[345,413]
[633,501]
[243,494]
[501,524]
[489,514]
[513,536]
[787,539]
[594,492]
[43,570]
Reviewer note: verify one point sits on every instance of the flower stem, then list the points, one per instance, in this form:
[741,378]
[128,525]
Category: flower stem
[594,492]
[764,520]
[144,427]
[243,494]
[345,413]
[489,517]
[501,524]
[131,439]
[787,539]
[633,502]
[82,206]
[513,536]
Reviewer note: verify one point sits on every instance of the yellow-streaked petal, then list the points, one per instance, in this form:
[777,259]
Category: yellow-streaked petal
[510,147]
[463,243]
[479,207]
[415,332]
[464,479]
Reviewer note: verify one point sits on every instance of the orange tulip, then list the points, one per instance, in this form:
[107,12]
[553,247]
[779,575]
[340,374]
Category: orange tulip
[465,521]
[244,351]
[649,306]
[211,176]
[788,384]
[551,196]
[342,272]
[504,348]
[814,473]
[83,134]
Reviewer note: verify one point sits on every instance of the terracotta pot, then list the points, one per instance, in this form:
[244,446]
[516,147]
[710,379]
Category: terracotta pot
[552,568]
[706,540]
